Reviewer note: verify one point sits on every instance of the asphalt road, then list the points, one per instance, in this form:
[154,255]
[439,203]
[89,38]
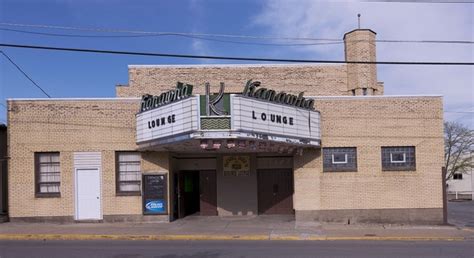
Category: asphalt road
[171,249]
[461,213]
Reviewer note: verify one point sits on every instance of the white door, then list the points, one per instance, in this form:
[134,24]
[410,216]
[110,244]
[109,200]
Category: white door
[88,194]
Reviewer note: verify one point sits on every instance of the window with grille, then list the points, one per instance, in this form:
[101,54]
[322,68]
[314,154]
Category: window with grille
[47,174]
[340,159]
[398,158]
[128,173]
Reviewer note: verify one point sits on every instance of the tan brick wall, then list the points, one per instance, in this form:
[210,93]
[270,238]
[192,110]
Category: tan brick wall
[69,126]
[368,124]
[312,79]
[363,122]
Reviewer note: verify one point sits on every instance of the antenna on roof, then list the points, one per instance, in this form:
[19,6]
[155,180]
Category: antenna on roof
[358,18]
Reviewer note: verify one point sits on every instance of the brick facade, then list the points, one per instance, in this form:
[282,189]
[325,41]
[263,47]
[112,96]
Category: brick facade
[369,123]
[364,122]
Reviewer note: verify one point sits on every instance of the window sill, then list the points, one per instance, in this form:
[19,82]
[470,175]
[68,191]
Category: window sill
[128,194]
[398,169]
[340,171]
[48,195]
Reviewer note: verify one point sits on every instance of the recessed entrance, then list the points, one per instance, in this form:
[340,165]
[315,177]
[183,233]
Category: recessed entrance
[275,191]
[195,193]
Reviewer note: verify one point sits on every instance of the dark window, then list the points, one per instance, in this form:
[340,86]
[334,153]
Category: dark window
[398,158]
[128,173]
[353,92]
[47,174]
[457,176]
[340,159]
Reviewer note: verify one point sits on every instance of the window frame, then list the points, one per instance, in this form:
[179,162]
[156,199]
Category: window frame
[39,194]
[457,176]
[398,161]
[339,162]
[118,192]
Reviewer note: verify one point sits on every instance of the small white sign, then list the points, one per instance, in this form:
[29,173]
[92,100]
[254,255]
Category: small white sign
[169,120]
[269,119]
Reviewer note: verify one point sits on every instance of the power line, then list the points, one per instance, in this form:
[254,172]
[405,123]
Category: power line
[169,34]
[41,26]
[257,59]
[26,75]
[151,33]
[423,1]
[3,105]
[461,117]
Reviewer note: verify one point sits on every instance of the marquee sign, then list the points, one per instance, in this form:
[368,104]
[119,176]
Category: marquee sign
[257,113]
[267,119]
[169,120]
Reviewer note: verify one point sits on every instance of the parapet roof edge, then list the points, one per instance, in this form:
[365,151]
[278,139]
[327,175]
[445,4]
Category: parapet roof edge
[344,37]
[230,65]
[378,96]
[316,97]
[71,99]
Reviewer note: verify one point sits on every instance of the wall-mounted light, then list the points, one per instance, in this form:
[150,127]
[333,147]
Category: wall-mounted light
[299,152]
[204,144]
[290,150]
[271,147]
[230,144]
[252,145]
[216,145]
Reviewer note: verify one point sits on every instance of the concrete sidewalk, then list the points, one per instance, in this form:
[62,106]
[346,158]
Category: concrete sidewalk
[228,228]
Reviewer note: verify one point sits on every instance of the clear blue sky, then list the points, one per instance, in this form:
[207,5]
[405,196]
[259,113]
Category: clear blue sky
[92,75]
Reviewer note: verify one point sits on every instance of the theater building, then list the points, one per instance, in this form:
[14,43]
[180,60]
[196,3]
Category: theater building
[320,142]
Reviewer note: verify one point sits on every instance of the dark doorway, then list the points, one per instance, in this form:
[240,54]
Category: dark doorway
[275,191]
[187,194]
[208,194]
[195,192]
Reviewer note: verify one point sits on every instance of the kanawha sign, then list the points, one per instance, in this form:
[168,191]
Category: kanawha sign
[150,102]
[253,90]
[258,114]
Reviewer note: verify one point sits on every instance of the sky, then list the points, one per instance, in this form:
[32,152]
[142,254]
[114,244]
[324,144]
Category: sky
[66,74]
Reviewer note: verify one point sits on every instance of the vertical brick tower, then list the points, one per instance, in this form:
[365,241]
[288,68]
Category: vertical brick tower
[359,45]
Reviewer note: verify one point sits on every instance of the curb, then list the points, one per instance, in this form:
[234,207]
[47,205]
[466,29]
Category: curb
[218,237]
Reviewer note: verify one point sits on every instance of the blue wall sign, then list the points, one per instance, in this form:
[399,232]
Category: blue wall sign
[155,206]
